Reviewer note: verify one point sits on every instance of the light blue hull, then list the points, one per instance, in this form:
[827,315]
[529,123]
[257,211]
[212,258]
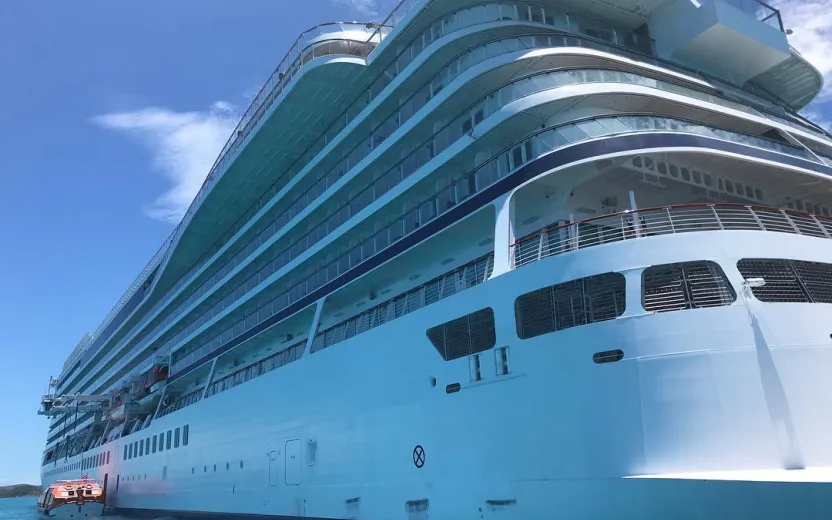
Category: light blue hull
[702,419]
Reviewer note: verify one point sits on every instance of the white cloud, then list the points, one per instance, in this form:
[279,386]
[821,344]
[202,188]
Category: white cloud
[811,21]
[818,114]
[183,147]
[370,10]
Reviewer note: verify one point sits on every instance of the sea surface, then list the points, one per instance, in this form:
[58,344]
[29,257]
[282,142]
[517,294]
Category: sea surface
[18,508]
[25,508]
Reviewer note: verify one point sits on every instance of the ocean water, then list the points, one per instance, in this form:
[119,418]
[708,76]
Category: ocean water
[26,509]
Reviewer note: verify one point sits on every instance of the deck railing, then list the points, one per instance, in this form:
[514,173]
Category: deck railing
[181,402]
[393,19]
[279,79]
[668,220]
[257,369]
[759,10]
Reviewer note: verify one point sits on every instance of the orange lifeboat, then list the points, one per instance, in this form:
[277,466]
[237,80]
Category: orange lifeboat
[80,498]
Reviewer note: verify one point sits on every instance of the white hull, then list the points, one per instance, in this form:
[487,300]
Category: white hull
[699,421]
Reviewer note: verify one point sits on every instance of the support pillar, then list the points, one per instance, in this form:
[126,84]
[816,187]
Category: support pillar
[503,234]
[210,378]
[636,220]
[158,406]
[313,330]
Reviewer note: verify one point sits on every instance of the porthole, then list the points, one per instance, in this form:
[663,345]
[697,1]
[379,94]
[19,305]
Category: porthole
[609,356]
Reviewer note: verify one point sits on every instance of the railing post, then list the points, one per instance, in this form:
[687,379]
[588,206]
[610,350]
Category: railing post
[756,218]
[821,226]
[716,216]
[791,223]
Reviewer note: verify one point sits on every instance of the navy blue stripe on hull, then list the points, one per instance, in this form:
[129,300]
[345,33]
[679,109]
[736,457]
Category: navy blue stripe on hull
[204,515]
[614,145]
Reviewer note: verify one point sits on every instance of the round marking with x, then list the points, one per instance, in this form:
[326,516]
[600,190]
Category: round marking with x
[419,456]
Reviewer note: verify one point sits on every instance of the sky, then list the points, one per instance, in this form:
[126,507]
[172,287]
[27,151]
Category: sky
[111,114]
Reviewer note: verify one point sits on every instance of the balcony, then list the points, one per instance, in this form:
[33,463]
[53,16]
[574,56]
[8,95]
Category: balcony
[668,220]
[733,39]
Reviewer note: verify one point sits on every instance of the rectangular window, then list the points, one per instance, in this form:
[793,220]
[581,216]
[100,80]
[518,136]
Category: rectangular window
[130,451]
[108,457]
[168,439]
[147,446]
[162,441]
[141,448]
[185,435]
[176,438]
[464,336]
[155,439]
[789,281]
[685,285]
[570,304]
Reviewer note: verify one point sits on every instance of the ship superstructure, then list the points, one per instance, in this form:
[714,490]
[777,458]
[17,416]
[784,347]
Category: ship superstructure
[559,259]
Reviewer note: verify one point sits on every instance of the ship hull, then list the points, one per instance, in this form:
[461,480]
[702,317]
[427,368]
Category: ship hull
[712,413]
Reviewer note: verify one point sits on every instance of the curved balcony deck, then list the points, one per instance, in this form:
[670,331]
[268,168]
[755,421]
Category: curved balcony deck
[665,220]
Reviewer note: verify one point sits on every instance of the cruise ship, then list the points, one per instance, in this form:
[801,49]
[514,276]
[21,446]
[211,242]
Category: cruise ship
[560,259]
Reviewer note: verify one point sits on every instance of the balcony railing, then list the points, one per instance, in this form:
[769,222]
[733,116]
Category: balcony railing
[759,10]
[304,49]
[180,402]
[668,220]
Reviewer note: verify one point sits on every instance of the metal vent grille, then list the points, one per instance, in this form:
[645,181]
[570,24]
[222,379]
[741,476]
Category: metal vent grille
[464,336]
[570,304]
[790,281]
[816,278]
[686,285]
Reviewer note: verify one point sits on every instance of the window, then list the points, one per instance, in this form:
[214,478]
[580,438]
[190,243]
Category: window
[464,336]
[570,304]
[789,281]
[176,438]
[686,285]
[147,446]
[162,441]
[108,457]
[154,443]
[141,448]
[609,356]
[130,452]
[185,435]
[168,439]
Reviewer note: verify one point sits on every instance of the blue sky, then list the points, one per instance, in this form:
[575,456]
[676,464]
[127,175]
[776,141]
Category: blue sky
[111,114]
